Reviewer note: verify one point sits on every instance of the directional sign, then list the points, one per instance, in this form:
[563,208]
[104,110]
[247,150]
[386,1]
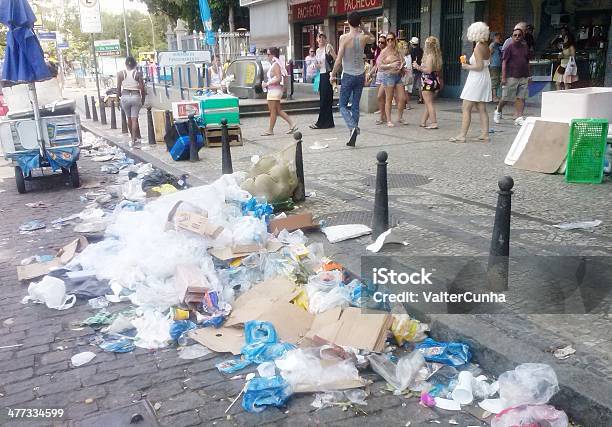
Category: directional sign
[47,36]
[107,47]
[89,12]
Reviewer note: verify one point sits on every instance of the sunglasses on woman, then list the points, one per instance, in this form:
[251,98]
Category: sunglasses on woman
[390,39]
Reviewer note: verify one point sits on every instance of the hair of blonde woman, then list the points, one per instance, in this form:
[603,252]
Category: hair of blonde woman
[433,51]
[402,47]
[478,32]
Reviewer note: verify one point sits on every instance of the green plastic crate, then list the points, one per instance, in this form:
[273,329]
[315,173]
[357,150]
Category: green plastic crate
[586,151]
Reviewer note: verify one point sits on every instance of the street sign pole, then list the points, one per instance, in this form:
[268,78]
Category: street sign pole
[95,60]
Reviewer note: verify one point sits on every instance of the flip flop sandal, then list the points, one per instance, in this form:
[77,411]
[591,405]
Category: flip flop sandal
[423,125]
[431,127]
[314,127]
[456,139]
[390,125]
[267,134]
[379,122]
[292,130]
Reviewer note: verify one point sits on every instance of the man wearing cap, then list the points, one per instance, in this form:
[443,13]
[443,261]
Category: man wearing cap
[417,56]
[515,75]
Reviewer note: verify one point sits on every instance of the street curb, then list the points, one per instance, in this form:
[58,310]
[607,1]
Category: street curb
[141,155]
[584,396]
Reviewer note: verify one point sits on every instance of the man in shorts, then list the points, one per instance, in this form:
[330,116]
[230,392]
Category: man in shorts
[514,77]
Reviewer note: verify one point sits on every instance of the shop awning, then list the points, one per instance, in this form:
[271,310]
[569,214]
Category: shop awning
[269,24]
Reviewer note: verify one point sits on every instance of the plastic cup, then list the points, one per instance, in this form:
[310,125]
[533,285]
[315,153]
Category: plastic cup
[463,391]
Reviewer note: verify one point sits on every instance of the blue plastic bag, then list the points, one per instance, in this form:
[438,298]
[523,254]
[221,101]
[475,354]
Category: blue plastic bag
[316,82]
[263,392]
[449,353]
[179,327]
[118,344]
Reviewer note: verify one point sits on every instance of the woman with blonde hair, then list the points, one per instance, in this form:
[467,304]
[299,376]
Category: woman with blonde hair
[430,67]
[391,63]
[477,89]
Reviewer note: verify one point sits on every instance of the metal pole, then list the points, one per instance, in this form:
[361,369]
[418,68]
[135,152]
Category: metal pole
[299,195]
[226,154]
[127,41]
[113,124]
[102,111]
[87,113]
[193,149]
[168,128]
[152,31]
[380,221]
[94,112]
[150,126]
[497,271]
[95,61]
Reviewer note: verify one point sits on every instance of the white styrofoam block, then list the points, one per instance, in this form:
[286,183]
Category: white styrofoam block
[583,103]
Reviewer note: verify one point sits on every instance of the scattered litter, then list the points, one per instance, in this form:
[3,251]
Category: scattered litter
[97,303]
[463,390]
[449,353]
[582,225]
[318,146]
[31,226]
[50,291]
[194,351]
[10,346]
[38,204]
[157,406]
[340,398]
[564,353]
[262,392]
[449,405]
[80,359]
[494,406]
[380,241]
[266,369]
[486,155]
[427,400]
[248,379]
[118,344]
[453,422]
[339,233]
[400,376]
[541,415]
[8,322]
[528,383]
[89,400]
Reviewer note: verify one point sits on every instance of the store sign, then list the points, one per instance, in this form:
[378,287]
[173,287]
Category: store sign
[89,13]
[47,36]
[107,47]
[309,10]
[346,6]
[166,59]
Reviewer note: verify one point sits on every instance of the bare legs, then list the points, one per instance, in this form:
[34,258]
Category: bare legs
[484,121]
[134,129]
[275,111]
[430,110]
[519,107]
[388,103]
[466,120]
[400,98]
[380,97]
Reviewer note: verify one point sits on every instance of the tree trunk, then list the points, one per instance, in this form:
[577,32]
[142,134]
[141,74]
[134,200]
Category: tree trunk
[230,18]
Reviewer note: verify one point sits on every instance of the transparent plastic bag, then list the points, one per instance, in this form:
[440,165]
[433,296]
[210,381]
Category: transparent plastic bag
[528,384]
[400,376]
[406,329]
[530,415]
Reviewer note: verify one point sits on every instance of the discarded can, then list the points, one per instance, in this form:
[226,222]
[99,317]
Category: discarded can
[180,314]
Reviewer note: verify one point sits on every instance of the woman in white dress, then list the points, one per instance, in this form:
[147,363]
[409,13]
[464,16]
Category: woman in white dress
[477,89]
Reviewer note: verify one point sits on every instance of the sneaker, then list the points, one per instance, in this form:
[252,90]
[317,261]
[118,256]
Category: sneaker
[497,116]
[519,121]
[353,138]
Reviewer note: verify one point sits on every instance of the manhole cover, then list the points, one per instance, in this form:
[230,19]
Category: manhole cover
[399,180]
[351,217]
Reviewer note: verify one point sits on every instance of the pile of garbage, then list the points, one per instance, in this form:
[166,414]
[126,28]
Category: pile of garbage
[208,269]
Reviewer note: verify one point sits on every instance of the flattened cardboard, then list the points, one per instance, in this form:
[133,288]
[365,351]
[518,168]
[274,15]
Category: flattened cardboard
[301,221]
[225,254]
[198,224]
[221,340]
[546,147]
[327,386]
[32,271]
[68,252]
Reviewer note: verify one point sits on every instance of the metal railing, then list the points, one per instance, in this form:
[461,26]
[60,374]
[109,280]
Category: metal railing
[188,79]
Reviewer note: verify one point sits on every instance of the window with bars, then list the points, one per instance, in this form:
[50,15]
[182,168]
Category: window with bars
[409,18]
[451,40]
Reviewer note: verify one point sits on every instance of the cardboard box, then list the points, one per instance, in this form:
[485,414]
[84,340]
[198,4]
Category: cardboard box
[191,283]
[196,222]
[301,221]
[63,256]
[159,124]
[182,109]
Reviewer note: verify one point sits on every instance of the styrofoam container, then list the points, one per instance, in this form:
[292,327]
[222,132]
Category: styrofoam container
[583,103]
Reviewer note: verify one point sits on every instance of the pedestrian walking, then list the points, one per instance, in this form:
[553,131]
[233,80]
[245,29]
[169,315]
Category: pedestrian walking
[477,89]
[325,58]
[274,87]
[430,80]
[417,56]
[495,67]
[131,91]
[391,64]
[350,57]
[565,75]
[514,78]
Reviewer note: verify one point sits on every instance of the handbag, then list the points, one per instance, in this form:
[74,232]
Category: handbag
[571,69]
[316,82]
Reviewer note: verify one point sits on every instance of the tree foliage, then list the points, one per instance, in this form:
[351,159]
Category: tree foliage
[189,11]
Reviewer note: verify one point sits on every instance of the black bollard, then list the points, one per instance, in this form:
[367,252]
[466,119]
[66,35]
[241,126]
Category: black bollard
[113,115]
[380,221]
[299,195]
[168,128]
[226,153]
[150,127]
[497,270]
[102,111]
[87,113]
[124,123]
[193,150]
[94,112]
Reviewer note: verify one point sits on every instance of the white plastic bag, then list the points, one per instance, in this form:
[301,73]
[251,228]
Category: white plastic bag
[571,69]
[528,384]
[80,359]
[400,376]
[50,291]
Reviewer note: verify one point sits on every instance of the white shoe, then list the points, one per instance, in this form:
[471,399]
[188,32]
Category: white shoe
[519,121]
[497,116]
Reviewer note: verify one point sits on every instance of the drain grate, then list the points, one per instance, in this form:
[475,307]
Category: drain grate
[351,217]
[399,180]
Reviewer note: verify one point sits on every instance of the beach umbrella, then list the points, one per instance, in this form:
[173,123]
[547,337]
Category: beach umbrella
[24,61]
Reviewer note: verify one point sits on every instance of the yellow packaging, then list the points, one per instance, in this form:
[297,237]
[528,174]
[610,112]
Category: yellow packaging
[301,300]
[405,329]
[180,314]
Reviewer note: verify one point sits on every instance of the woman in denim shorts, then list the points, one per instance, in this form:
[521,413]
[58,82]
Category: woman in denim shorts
[130,87]
[391,63]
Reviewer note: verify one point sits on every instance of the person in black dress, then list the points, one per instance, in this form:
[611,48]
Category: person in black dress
[325,60]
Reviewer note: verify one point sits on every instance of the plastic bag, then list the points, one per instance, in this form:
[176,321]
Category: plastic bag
[400,376]
[153,330]
[262,342]
[50,291]
[571,69]
[530,415]
[305,371]
[80,359]
[247,230]
[449,353]
[528,384]
[179,327]
[406,329]
[316,82]
[118,344]
[263,392]
[318,302]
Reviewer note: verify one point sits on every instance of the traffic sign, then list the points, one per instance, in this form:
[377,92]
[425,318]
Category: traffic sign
[107,47]
[89,12]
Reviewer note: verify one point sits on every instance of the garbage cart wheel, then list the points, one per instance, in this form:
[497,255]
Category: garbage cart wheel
[74,176]
[20,180]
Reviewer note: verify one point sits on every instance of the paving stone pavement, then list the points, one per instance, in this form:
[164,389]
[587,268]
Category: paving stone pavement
[38,373]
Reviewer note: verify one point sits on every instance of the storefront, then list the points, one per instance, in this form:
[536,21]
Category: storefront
[307,21]
[371,12]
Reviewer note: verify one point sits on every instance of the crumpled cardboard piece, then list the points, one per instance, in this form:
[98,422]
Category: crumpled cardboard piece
[228,253]
[63,256]
[196,222]
[301,221]
[190,282]
[220,340]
